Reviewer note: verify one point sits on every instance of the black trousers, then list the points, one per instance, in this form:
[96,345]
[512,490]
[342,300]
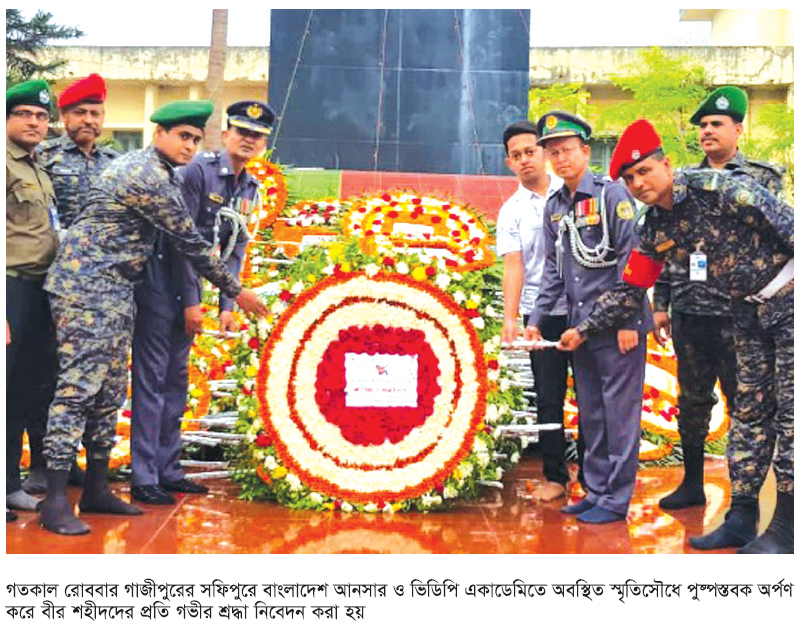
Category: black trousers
[550,383]
[31,370]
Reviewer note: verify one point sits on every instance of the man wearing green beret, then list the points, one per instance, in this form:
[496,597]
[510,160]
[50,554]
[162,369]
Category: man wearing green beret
[91,287]
[700,321]
[31,243]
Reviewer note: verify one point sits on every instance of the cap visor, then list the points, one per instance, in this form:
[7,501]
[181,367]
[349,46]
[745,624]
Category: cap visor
[558,135]
[256,128]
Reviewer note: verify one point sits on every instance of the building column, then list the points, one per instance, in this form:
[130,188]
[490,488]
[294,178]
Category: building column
[194,92]
[150,107]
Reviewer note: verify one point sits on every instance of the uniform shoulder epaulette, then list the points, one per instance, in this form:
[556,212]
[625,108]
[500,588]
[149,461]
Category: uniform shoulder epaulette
[702,178]
[108,150]
[211,156]
[773,168]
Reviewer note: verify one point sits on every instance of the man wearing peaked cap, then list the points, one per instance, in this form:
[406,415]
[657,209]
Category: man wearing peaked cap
[31,244]
[73,161]
[91,286]
[588,229]
[752,267]
[697,313]
[220,196]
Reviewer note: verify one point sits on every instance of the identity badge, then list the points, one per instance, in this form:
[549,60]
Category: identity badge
[697,266]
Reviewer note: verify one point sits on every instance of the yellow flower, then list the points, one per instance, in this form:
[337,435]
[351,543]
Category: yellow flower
[345,266]
[251,371]
[419,274]
[457,474]
[335,251]
[397,506]
[310,279]
[196,392]
[279,472]
[471,304]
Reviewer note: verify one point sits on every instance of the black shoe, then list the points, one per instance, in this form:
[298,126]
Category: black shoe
[151,495]
[778,537]
[184,485]
[577,508]
[10,516]
[738,529]
[77,477]
[56,513]
[691,490]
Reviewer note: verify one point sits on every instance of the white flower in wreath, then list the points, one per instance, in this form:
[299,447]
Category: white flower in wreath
[504,385]
[479,445]
[328,269]
[490,311]
[298,287]
[442,281]
[388,509]
[371,270]
[503,360]
[449,492]
[347,507]
[491,417]
[465,469]
[371,508]
[262,328]
[270,463]
[483,459]
[493,375]
[478,323]
[515,457]
[278,307]
[254,360]
[402,268]
[316,497]
[428,500]
[499,473]
[476,298]
[294,483]
[459,297]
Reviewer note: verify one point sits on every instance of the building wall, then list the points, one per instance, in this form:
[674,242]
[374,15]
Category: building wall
[746,27]
[139,79]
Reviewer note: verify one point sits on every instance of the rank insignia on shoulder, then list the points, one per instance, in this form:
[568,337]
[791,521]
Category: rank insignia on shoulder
[744,197]
[216,198]
[625,210]
[666,245]
[556,217]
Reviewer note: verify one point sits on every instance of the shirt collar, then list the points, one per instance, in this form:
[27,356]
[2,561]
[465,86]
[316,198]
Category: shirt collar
[586,186]
[554,185]
[16,151]
[737,161]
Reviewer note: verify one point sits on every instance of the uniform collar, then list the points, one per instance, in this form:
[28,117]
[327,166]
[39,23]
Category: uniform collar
[737,161]
[16,151]
[225,169]
[67,143]
[586,186]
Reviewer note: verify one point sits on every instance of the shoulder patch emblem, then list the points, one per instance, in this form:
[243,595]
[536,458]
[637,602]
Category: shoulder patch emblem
[625,210]
[744,197]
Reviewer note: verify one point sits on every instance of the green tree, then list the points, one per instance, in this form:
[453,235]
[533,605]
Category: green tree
[666,90]
[772,139]
[571,97]
[25,42]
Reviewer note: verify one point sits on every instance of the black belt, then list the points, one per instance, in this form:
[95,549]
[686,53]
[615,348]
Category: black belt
[16,274]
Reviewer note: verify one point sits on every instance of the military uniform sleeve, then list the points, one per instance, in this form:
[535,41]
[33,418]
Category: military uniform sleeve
[757,207]
[616,307]
[159,200]
[552,285]
[662,291]
[192,189]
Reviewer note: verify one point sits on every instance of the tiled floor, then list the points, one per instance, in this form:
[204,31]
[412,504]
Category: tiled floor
[505,521]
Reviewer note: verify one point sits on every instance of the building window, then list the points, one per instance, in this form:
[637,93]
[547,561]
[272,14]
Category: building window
[601,149]
[128,140]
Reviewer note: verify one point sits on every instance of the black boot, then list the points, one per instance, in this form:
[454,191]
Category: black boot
[56,512]
[778,537]
[737,530]
[36,483]
[97,497]
[77,476]
[691,490]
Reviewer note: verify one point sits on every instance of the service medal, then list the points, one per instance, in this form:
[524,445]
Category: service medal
[625,210]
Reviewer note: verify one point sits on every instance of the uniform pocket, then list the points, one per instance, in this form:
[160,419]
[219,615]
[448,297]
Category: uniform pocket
[25,201]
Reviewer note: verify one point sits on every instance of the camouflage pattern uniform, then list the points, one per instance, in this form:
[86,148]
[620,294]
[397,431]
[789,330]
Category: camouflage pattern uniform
[91,284]
[72,172]
[701,325]
[747,234]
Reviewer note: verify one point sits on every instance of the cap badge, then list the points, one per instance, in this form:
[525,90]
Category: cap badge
[254,111]
[44,97]
[551,122]
[635,154]
[722,103]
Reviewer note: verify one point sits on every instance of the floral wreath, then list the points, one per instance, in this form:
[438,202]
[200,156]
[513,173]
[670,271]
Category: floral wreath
[273,190]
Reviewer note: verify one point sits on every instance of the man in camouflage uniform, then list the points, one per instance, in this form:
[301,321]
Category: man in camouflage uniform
[700,317]
[73,161]
[91,286]
[31,244]
[747,235]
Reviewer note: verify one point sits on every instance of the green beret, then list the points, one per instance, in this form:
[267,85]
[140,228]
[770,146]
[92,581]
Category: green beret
[556,124]
[34,93]
[191,112]
[731,101]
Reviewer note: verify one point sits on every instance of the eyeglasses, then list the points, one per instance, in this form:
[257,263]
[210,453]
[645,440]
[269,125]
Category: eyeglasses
[25,114]
[555,154]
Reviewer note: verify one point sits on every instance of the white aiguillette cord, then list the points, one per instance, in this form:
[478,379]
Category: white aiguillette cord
[525,345]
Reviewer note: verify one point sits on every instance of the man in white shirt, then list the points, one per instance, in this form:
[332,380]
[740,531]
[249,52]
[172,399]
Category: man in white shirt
[520,243]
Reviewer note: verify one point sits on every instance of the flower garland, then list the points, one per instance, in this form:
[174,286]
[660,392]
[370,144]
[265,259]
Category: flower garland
[403,219]
[307,451]
[273,189]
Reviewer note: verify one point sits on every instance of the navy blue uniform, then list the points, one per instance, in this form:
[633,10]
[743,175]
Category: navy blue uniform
[608,384]
[160,344]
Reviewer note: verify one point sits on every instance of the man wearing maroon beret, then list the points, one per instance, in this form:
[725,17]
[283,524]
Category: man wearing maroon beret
[73,161]
[731,232]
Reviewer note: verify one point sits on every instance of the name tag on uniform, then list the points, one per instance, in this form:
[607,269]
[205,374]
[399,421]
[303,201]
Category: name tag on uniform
[666,245]
[590,220]
[556,217]
[697,267]
[216,198]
